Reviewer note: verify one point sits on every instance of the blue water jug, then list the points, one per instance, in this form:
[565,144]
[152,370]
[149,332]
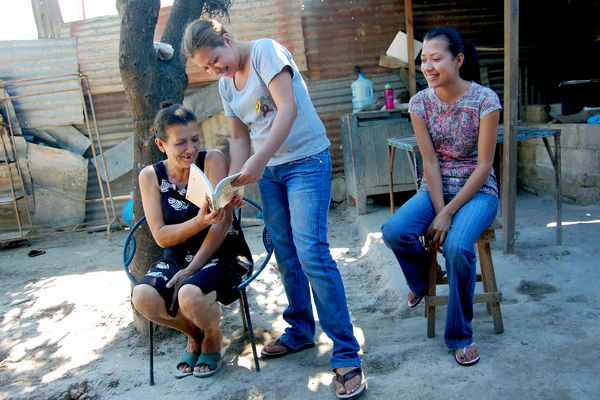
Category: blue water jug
[362,92]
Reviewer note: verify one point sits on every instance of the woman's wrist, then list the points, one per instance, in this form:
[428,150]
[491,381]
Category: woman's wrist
[200,222]
[448,210]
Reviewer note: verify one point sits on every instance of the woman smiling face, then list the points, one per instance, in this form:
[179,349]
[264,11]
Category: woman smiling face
[182,145]
[220,61]
[438,64]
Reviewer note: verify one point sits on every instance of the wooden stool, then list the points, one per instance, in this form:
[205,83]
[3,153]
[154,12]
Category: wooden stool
[491,295]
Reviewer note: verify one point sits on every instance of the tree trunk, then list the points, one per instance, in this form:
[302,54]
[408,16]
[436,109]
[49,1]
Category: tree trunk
[148,82]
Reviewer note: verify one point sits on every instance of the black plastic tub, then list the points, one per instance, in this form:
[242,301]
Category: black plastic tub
[578,94]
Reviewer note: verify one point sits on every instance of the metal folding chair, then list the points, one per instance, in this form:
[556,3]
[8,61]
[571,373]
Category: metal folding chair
[129,248]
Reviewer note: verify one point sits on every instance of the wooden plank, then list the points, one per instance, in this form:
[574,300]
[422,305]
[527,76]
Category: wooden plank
[119,160]
[495,297]
[13,235]
[391,62]
[410,38]
[509,155]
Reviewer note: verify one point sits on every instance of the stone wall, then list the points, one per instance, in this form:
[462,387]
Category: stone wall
[580,157]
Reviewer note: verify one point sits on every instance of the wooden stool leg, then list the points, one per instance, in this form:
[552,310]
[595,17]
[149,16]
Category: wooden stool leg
[431,292]
[488,279]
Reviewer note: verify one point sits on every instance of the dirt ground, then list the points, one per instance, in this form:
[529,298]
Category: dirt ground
[67,331]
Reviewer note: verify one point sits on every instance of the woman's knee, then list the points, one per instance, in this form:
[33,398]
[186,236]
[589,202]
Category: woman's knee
[396,237]
[192,299]
[146,300]
[460,254]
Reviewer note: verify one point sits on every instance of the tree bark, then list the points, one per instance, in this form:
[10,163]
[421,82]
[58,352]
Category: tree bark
[148,82]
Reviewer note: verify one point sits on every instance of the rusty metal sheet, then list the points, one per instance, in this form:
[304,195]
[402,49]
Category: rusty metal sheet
[98,38]
[42,79]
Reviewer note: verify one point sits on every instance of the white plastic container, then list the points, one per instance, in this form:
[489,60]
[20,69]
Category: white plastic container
[399,48]
[362,92]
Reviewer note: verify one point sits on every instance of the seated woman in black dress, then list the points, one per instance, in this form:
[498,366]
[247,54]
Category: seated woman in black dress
[205,252]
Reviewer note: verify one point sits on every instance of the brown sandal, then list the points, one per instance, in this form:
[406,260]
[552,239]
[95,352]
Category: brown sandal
[287,350]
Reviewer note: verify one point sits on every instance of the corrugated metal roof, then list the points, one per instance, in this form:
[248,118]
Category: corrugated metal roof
[45,81]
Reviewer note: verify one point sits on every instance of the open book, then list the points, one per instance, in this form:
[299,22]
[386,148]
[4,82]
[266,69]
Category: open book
[201,193]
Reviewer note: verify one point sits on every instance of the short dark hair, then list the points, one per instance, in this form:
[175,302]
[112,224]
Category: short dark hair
[171,114]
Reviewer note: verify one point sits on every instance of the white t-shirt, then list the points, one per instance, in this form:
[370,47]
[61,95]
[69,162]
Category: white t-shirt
[255,107]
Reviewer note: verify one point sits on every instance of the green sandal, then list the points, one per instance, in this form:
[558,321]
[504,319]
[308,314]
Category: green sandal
[209,359]
[189,359]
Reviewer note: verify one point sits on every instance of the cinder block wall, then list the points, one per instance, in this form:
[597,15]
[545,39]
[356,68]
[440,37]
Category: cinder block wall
[580,149]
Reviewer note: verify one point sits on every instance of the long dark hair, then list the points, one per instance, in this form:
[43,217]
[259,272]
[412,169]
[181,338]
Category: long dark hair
[469,69]
[171,114]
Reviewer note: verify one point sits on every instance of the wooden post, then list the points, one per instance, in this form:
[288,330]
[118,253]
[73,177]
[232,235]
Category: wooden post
[48,18]
[511,96]
[410,45]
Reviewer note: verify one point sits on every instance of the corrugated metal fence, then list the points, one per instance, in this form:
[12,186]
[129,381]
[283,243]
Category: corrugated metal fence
[327,38]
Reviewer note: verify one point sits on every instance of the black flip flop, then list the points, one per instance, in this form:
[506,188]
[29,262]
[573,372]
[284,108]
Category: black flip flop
[35,253]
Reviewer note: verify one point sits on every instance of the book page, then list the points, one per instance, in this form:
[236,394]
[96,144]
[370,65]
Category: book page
[224,192]
[199,189]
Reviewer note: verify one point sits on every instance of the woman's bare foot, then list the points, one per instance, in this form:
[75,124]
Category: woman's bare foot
[193,347]
[413,300]
[467,356]
[351,385]
[212,344]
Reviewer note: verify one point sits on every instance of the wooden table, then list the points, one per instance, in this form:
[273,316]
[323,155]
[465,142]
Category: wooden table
[523,133]
[364,138]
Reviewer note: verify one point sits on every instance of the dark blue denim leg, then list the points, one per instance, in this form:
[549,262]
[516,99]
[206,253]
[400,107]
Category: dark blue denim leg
[308,187]
[459,252]
[299,312]
[401,234]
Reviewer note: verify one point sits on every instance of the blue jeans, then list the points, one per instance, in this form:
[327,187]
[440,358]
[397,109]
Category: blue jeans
[296,198]
[401,234]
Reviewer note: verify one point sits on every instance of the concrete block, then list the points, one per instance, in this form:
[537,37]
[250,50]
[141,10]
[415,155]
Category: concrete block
[59,185]
[525,154]
[586,162]
[41,135]
[583,195]
[585,180]
[541,157]
[569,138]
[534,113]
[119,160]
[69,138]
[589,137]
[215,131]
[205,102]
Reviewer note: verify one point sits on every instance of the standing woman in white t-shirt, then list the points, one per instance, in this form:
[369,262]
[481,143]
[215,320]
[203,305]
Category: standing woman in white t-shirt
[267,104]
